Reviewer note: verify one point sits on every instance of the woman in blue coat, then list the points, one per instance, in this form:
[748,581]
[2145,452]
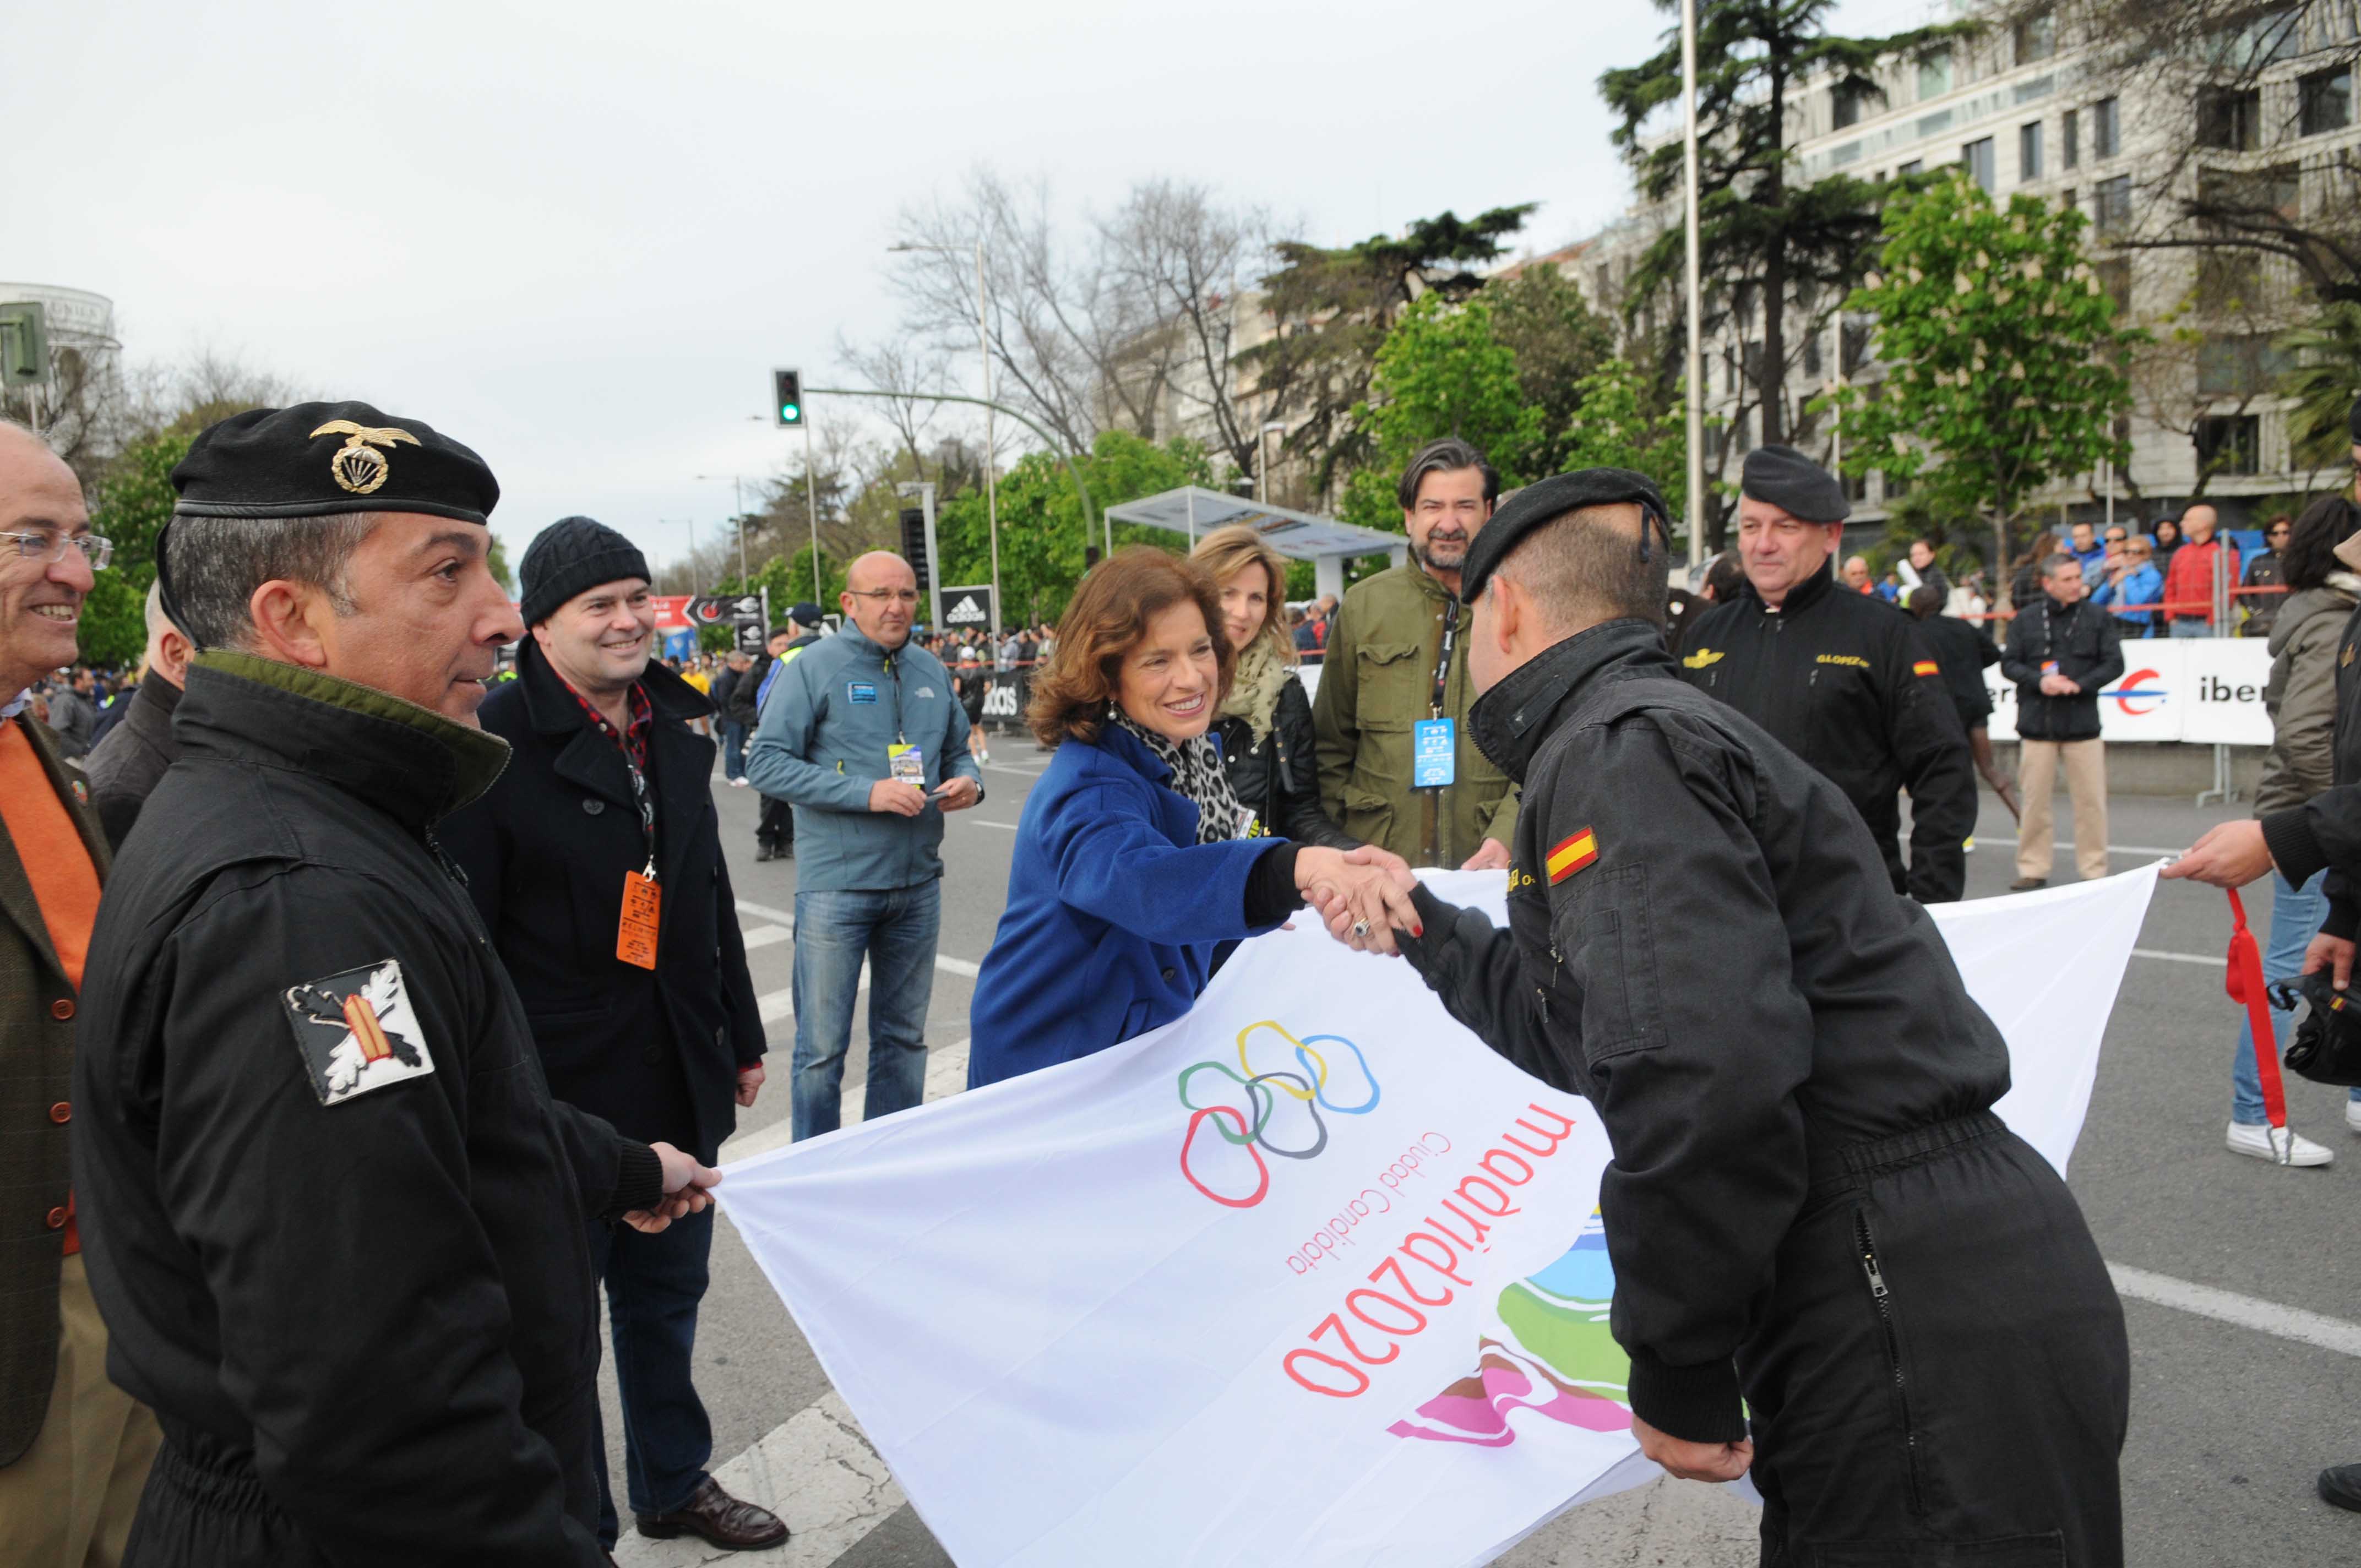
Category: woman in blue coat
[1129,869]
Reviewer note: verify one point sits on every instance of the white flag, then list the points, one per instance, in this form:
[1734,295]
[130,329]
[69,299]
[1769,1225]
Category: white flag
[1308,1277]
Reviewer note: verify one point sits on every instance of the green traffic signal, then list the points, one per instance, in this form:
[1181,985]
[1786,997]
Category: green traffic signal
[787,396]
[791,413]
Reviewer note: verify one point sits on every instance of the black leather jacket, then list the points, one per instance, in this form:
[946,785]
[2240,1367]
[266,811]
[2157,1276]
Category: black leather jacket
[1279,779]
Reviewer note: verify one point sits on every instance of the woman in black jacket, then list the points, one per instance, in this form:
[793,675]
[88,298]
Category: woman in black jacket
[1265,725]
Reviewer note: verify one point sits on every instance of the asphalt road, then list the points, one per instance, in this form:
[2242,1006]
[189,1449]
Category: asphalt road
[2231,1420]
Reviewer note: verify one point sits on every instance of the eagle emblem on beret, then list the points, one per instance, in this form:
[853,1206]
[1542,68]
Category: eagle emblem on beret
[357,464]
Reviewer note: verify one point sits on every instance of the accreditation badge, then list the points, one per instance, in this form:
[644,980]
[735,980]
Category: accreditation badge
[1433,753]
[635,934]
[906,764]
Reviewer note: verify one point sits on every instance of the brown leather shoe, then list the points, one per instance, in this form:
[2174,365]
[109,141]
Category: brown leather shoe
[720,1517]
[2027,884]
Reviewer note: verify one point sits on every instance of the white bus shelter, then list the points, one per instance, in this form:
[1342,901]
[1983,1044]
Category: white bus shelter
[1298,535]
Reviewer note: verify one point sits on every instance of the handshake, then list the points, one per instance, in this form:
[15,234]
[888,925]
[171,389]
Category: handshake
[1363,894]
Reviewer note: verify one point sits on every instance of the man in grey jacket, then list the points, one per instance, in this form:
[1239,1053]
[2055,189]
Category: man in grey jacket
[862,735]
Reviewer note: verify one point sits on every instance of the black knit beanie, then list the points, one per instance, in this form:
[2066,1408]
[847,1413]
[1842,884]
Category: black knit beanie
[569,555]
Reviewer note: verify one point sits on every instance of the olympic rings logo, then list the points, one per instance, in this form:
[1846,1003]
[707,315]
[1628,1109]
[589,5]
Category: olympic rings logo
[1266,1094]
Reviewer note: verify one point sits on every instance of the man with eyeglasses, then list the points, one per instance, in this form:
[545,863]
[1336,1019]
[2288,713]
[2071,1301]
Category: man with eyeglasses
[74,1449]
[864,735]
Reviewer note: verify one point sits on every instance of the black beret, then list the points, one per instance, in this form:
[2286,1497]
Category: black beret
[1547,501]
[318,458]
[805,614]
[1786,478]
[569,555]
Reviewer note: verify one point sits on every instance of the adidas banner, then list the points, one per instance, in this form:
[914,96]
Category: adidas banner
[1308,1277]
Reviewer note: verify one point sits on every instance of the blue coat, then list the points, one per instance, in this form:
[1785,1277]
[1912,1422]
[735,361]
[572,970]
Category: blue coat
[1113,912]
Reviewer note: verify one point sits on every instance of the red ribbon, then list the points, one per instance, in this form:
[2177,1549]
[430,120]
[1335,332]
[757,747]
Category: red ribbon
[2245,985]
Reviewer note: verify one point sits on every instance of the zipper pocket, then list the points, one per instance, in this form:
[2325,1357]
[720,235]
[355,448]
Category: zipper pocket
[1882,1296]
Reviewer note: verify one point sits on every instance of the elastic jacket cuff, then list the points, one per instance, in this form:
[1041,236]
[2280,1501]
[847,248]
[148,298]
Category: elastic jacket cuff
[1695,1404]
[1270,894]
[2343,921]
[1434,918]
[2294,846]
[638,1178]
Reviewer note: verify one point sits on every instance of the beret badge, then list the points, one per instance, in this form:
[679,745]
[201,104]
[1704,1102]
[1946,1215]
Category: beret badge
[357,466]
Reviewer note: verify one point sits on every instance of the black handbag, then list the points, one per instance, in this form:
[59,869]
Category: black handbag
[2327,1044]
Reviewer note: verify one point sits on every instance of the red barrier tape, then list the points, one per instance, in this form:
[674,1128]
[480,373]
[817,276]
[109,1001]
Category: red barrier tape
[2245,985]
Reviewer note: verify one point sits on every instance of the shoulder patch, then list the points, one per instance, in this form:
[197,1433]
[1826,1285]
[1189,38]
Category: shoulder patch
[1924,667]
[1571,853]
[357,1031]
[861,691]
[1700,659]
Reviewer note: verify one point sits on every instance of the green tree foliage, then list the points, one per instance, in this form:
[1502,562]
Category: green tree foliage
[1331,311]
[1623,425]
[1440,372]
[131,504]
[1767,242]
[1558,341]
[2004,363]
[2325,382]
[496,560]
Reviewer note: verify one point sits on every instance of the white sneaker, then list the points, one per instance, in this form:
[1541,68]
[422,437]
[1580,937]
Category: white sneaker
[1970,846]
[2353,1114]
[738,783]
[2280,1146]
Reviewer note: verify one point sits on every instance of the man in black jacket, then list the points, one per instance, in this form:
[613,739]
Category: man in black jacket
[1844,680]
[1964,649]
[774,827]
[333,1217]
[1811,1205]
[733,734]
[130,759]
[2061,650]
[596,862]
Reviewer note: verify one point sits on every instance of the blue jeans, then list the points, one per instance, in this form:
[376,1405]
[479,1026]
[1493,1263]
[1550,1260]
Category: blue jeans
[2296,915]
[733,749]
[894,931]
[2192,629]
[654,1286]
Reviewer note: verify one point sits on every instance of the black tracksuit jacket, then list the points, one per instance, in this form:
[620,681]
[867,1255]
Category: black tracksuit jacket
[1850,685]
[1809,1201]
[365,1318]
[2085,644]
[1278,777]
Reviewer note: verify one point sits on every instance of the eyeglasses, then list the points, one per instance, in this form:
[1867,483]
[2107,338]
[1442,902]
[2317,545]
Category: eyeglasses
[883,597]
[51,547]
[2116,538]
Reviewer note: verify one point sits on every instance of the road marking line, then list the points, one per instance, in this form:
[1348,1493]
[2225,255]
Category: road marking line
[764,936]
[2163,956]
[786,922]
[2065,847]
[764,912]
[1020,772]
[987,822]
[946,1075]
[2245,1311]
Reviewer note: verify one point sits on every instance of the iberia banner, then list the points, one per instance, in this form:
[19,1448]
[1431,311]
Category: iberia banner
[1308,1277]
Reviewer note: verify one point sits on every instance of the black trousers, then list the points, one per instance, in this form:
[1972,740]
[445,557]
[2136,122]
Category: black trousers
[1942,1374]
[775,829]
[655,1285]
[204,1507]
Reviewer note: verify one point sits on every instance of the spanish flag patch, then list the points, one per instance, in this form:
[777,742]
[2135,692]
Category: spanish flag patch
[1571,853]
[1924,667]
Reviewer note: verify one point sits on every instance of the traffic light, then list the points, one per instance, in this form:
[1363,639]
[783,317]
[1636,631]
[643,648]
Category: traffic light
[24,344]
[787,397]
[914,548]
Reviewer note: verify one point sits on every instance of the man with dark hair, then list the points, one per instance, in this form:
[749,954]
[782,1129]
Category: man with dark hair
[1845,681]
[596,862]
[1965,650]
[129,761]
[1922,562]
[2061,650]
[333,1219]
[1396,767]
[775,826]
[1834,1266]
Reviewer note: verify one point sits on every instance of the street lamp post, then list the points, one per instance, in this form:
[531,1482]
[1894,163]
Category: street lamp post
[983,347]
[1262,464]
[1696,358]
[738,487]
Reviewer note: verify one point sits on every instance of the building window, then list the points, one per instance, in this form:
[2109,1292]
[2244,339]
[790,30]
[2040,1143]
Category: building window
[2070,155]
[2229,444]
[1845,107]
[1852,348]
[1896,486]
[2037,37]
[2066,200]
[1910,169]
[2242,366]
[2114,274]
[2106,129]
[2114,215]
[1934,75]
[1812,357]
[2029,152]
[2232,121]
[1978,156]
[2228,280]
[2326,97]
[2277,190]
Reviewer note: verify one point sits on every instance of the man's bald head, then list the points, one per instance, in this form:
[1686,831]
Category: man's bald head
[881,594]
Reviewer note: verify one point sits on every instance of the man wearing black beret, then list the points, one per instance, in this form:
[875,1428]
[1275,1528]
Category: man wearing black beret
[1811,1206]
[1844,680]
[596,862]
[332,1217]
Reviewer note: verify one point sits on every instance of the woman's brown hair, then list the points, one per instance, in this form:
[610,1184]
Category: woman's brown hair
[1106,620]
[1227,551]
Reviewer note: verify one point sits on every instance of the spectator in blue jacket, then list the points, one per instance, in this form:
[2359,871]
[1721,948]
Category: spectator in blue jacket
[1129,872]
[2131,578]
[863,734]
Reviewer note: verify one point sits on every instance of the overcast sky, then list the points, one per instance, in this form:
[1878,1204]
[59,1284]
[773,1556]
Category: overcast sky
[577,236]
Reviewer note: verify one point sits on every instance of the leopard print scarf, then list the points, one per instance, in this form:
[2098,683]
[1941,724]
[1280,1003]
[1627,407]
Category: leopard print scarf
[1197,776]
